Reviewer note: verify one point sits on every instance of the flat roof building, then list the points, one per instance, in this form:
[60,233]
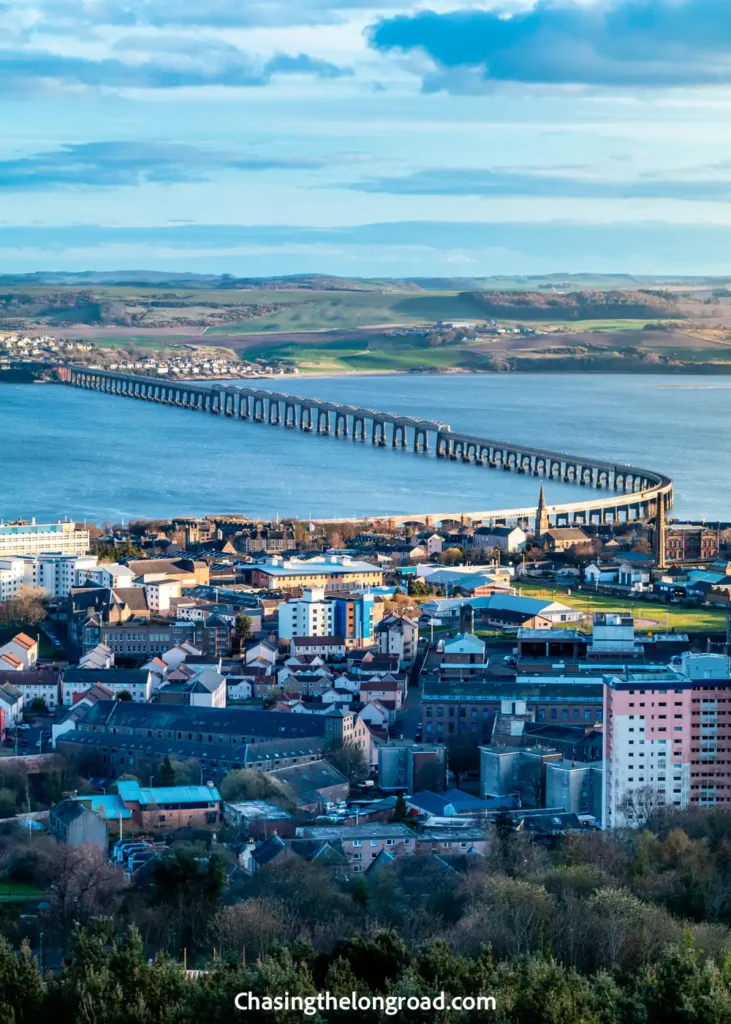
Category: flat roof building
[41,538]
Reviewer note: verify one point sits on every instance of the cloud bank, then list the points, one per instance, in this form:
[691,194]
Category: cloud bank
[114,164]
[634,43]
[543,183]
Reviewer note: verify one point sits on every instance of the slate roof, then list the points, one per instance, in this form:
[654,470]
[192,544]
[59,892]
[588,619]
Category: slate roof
[106,676]
[223,721]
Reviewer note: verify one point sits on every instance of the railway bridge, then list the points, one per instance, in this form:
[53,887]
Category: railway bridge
[636,493]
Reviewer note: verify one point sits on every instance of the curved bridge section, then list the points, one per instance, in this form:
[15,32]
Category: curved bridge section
[637,493]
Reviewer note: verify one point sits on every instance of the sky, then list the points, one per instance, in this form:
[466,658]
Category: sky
[366,138]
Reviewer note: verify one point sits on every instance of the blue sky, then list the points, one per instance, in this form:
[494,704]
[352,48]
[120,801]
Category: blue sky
[362,138]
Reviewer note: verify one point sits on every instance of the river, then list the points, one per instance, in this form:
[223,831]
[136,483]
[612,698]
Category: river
[68,452]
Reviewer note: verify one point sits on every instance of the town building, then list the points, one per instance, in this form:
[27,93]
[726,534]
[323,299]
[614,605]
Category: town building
[666,739]
[114,737]
[310,615]
[454,711]
[55,574]
[260,818]
[411,767]
[575,787]
[205,689]
[685,542]
[324,646]
[39,538]
[22,652]
[76,824]
[34,684]
[338,573]
[315,785]
[562,538]
[355,618]
[399,635]
[135,682]
[510,539]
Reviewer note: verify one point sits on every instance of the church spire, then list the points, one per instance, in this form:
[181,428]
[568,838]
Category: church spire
[542,522]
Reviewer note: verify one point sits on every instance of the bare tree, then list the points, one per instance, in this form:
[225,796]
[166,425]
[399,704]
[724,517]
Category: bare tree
[639,805]
[25,609]
[84,884]
[254,926]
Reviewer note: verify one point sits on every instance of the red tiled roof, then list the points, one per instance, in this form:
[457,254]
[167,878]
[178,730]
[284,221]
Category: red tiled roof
[24,640]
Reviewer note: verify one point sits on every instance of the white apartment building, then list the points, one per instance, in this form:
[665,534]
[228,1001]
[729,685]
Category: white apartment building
[78,681]
[310,615]
[398,635]
[45,687]
[11,577]
[55,573]
[159,595]
[38,538]
[113,575]
[22,651]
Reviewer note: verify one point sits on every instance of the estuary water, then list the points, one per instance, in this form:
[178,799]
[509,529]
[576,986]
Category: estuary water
[68,452]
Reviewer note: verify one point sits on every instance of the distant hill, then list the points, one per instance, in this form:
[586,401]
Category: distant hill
[577,305]
[326,282]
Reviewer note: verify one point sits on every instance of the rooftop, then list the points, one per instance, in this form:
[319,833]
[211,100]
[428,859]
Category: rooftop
[130,791]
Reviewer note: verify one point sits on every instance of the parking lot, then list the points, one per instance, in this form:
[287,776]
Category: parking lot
[27,739]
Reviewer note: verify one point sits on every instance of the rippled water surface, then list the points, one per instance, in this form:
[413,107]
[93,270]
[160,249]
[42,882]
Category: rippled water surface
[65,451]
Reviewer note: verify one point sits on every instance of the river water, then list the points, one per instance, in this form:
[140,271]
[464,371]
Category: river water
[68,452]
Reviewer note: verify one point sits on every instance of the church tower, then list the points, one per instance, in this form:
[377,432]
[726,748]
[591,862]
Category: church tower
[542,523]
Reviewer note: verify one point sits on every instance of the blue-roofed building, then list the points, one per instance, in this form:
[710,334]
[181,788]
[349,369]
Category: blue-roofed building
[109,806]
[170,806]
[455,802]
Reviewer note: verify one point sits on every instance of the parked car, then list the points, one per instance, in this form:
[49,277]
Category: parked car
[23,727]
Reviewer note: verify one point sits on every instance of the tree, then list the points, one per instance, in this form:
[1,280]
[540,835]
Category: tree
[639,805]
[400,811]
[38,706]
[25,609]
[166,774]
[417,587]
[189,887]
[242,628]
[348,758]
[84,884]
[244,784]
[254,926]
[124,695]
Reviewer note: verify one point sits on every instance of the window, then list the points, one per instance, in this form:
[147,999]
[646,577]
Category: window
[357,842]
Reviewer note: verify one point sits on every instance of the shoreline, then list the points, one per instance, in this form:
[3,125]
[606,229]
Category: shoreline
[23,375]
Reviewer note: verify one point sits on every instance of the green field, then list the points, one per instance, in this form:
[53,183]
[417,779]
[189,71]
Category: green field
[672,616]
[158,343]
[373,354]
[18,892]
[589,325]
[313,311]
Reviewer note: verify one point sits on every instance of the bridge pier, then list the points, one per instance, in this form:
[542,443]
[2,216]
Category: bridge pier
[323,421]
[421,440]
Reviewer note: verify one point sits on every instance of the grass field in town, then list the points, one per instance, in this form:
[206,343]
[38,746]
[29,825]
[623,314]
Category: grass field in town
[649,615]
[18,892]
